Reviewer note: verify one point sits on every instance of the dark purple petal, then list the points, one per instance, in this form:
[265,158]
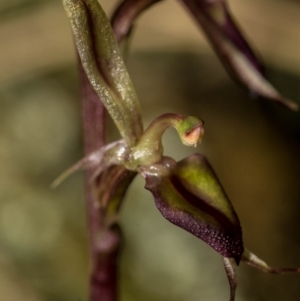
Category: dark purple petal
[125,14]
[191,197]
[233,49]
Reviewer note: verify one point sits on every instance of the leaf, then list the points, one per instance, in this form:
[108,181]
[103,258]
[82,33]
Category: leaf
[102,61]
[233,49]
[191,197]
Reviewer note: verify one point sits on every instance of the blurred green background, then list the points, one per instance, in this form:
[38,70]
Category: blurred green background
[253,145]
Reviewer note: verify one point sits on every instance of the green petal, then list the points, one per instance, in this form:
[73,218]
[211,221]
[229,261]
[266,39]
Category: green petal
[111,187]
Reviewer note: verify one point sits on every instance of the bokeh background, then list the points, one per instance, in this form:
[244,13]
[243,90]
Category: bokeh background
[253,145]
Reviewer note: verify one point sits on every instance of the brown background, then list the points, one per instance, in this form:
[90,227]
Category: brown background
[253,146]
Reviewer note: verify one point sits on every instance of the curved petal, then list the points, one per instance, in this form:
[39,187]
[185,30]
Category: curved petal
[125,15]
[233,49]
[254,261]
[111,187]
[191,197]
[229,267]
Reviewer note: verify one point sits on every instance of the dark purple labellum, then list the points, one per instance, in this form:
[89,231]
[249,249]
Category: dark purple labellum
[192,198]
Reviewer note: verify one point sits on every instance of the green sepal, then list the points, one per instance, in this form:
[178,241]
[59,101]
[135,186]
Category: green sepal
[111,187]
[102,61]
[191,197]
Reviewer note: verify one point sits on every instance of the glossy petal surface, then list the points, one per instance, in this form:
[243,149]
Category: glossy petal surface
[191,197]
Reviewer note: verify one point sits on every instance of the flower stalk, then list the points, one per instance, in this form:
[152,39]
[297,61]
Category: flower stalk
[103,249]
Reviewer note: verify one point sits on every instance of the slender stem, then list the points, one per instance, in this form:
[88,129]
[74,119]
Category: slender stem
[104,248]
[93,126]
[104,277]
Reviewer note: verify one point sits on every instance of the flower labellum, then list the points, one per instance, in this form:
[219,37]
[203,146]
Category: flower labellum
[191,197]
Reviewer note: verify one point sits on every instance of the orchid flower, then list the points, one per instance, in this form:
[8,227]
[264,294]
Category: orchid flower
[187,193]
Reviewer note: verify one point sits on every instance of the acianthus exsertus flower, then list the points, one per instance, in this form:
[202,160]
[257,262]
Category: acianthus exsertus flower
[187,193]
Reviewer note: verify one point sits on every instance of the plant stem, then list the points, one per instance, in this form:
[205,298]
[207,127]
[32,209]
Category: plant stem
[104,247]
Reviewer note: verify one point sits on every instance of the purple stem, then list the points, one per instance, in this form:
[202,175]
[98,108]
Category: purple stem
[93,126]
[104,243]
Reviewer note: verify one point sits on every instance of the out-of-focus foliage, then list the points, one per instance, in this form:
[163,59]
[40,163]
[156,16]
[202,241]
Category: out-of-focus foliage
[254,148]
